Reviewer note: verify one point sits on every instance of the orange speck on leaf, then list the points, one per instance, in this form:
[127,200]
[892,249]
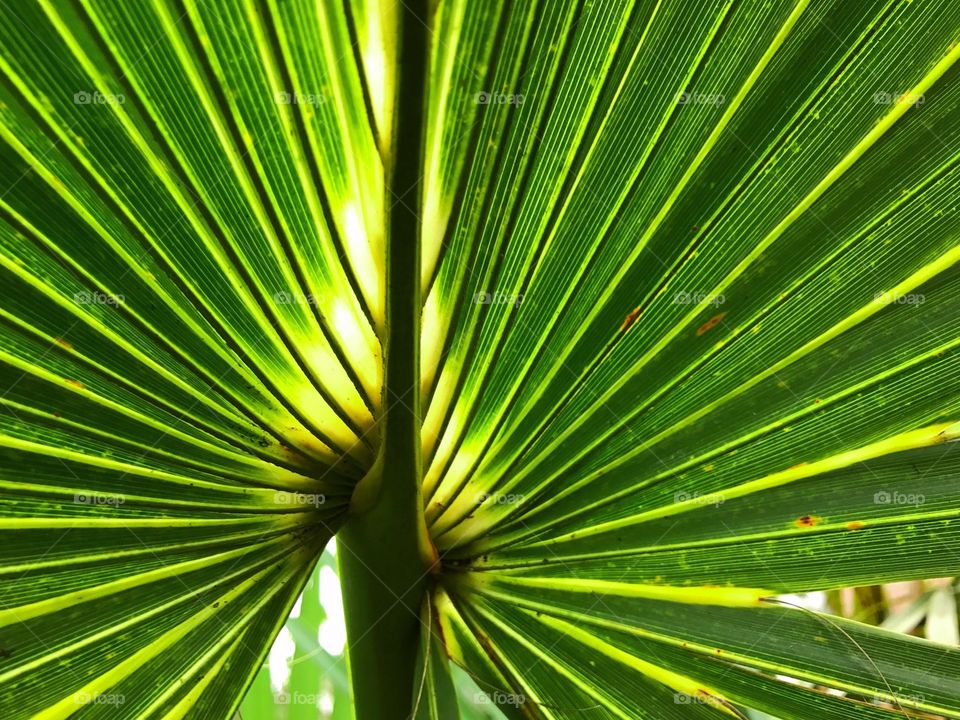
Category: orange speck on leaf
[630,319]
[77,384]
[711,323]
[798,465]
[855,525]
[64,344]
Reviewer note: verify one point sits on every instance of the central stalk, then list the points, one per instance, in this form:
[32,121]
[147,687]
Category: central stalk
[383,549]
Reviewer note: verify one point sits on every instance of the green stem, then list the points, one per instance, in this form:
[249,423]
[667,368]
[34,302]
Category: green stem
[382,549]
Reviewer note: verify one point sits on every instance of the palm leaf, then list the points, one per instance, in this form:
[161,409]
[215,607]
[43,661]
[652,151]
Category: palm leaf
[589,327]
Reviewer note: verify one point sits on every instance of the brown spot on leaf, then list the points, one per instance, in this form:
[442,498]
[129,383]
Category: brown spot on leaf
[807,521]
[630,319]
[711,323]
[64,344]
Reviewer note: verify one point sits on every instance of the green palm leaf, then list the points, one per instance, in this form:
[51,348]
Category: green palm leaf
[589,328]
